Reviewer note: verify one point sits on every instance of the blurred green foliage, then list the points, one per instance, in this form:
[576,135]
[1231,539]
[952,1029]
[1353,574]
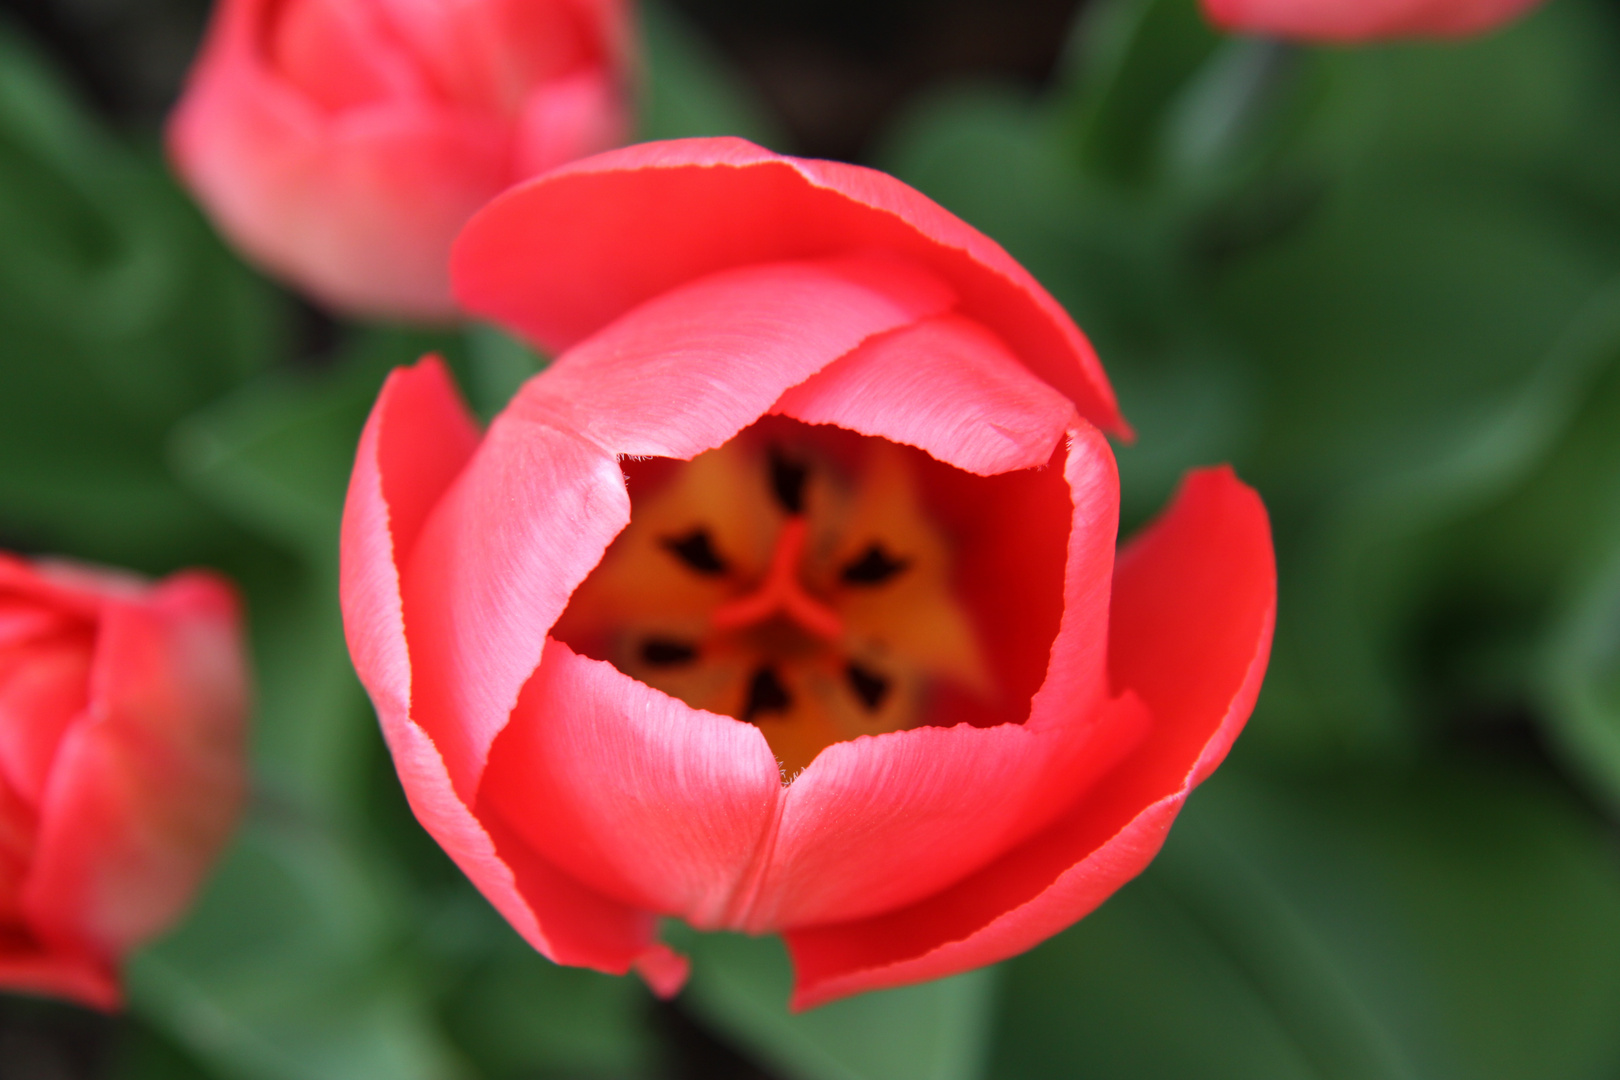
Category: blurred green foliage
[1384,282]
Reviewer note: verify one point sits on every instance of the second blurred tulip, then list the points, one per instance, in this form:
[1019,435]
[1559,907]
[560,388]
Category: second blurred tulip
[122,723]
[342,143]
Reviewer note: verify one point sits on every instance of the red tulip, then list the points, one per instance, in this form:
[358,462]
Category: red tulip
[1364,20]
[121,729]
[786,600]
[343,143]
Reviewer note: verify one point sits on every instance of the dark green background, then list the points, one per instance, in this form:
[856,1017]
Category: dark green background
[1384,283]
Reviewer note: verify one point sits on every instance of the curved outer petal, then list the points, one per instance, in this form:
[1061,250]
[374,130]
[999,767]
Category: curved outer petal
[417,440]
[1364,20]
[146,788]
[486,584]
[1194,605]
[567,253]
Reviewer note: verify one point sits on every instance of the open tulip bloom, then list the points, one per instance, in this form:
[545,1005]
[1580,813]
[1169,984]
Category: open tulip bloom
[786,600]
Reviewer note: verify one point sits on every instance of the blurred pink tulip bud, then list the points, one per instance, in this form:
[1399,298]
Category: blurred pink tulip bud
[122,709]
[341,144]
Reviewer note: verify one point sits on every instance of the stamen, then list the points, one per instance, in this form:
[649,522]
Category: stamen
[667,652]
[766,694]
[874,567]
[808,592]
[868,685]
[696,550]
[787,481]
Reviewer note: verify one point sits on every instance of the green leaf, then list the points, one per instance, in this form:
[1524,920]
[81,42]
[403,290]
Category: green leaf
[1580,673]
[146,1054]
[276,455]
[935,1031]
[1135,57]
[1407,540]
[516,1014]
[288,969]
[1449,922]
[497,364]
[121,313]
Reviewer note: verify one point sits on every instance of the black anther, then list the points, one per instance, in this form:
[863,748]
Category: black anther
[868,685]
[667,652]
[696,550]
[874,567]
[766,694]
[787,481]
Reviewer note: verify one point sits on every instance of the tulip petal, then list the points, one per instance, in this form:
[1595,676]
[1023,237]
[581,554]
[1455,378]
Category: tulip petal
[633,791]
[567,253]
[744,336]
[27,968]
[484,55]
[567,118]
[884,821]
[63,590]
[945,385]
[488,581]
[42,689]
[1364,20]
[340,54]
[358,206]
[144,789]
[416,442]
[1194,605]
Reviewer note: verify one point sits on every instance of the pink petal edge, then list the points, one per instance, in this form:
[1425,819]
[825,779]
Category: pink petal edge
[561,919]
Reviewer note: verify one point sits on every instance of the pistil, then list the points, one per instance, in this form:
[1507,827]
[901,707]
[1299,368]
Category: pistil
[782,592]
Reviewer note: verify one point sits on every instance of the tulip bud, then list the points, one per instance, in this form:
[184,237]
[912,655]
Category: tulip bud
[342,143]
[121,764]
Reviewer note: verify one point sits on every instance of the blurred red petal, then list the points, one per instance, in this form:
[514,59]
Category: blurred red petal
[43,687]
[1364,20]
[27,968]
[146,788]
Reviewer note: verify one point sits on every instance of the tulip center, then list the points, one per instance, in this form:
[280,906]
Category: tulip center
[773,580]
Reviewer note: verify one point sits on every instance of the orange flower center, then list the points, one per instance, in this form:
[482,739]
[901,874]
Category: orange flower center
[770,582]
